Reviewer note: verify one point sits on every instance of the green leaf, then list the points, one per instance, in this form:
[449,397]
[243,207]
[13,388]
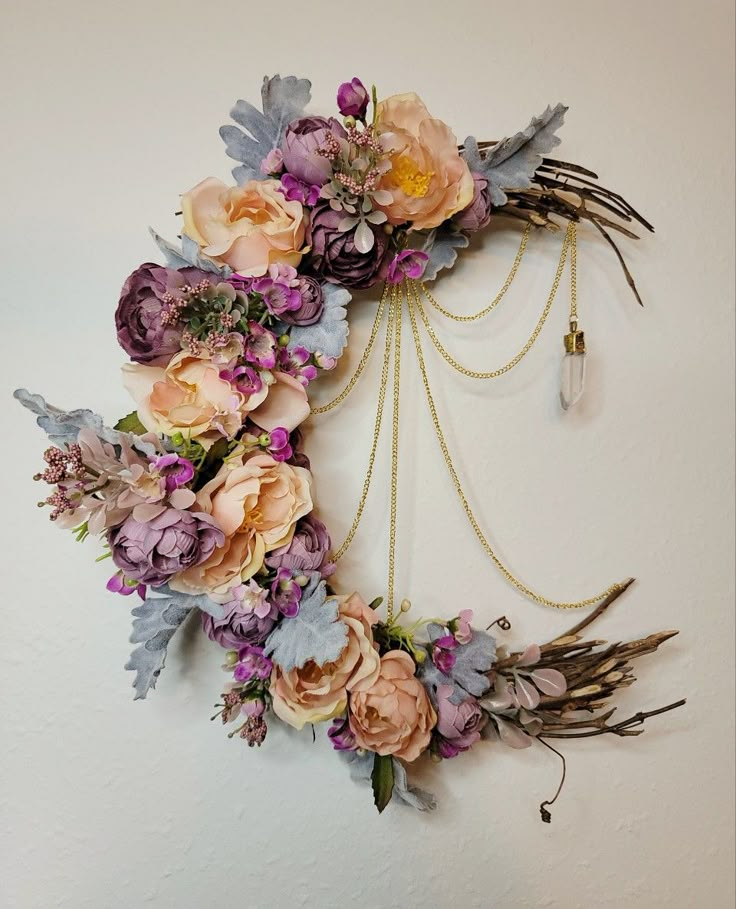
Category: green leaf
[131,423]
[382,779]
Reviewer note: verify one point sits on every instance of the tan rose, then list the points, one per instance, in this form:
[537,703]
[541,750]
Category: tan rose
[247,227]
[314,693]
[428,180]
[394,716]
[256,501]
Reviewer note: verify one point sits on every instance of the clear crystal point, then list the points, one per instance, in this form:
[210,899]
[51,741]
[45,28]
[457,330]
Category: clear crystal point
[572,379]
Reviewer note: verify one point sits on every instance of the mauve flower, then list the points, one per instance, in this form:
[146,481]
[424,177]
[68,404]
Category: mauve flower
[273,163]
[442,655]
[138,316]
[461,627]
[278,297]
[286,594]
[296,190]
[172,541]
[277,444]
[252,664]
[352,99]
[458,725]
[334,255]
[410,263]
[302,141]
[248,618]
[311,306]
[477,215]
[174,470]
[341,735]
[307,551]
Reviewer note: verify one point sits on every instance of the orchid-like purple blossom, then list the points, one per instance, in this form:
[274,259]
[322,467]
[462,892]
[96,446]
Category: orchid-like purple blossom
[409,263]
[296,190]
[296,363]
[286,594]
[442,653]
[277,443]
[174,470]
[260,346]
[278,296]
[252,664]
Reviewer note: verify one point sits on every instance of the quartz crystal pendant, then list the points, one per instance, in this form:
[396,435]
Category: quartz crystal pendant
[572,373]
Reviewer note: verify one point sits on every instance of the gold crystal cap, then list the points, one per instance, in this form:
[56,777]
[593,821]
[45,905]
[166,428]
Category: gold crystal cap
[574,340]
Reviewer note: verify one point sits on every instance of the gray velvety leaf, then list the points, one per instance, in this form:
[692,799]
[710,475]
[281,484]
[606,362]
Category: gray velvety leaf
[188,255]
[442,245]
[283,100]
[360,764]
[330,335]
[315,633]
[511,163]
[61,426]
[467,677]
[157,619]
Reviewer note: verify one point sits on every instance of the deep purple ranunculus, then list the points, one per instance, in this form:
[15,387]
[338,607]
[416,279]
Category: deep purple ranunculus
[352,99]
[307,551]
[302,140]
[458,725]
[312,303]
[247,619]
[174,540]
[138,316]
[334,256]
[477,215]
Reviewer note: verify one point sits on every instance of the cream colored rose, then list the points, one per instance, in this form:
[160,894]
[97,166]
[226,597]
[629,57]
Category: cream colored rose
[428,180]
[188,396]
[393,716]
[256,501]
[247,227]
[316,693]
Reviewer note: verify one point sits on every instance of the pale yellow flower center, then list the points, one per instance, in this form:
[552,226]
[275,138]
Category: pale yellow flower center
[410,180]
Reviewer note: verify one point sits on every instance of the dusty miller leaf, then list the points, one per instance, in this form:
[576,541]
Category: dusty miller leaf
[330,335]
[283,100]
[512,163]
[442,245]
[314,634]
[468,676]
[156,621]
[61,426]
[188,255]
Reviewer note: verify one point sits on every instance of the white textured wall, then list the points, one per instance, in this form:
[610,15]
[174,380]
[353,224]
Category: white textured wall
[110,111]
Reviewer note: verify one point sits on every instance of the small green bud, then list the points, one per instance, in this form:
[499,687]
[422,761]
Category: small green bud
[231,658]
[177,439]
[420,656]
[264,440]
[388,229]
[405,605]
[302,580]
[349,122]
[283,340]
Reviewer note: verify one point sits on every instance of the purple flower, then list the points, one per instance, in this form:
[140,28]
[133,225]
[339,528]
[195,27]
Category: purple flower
[458,725]
[252,664]
[307,551]
[334,256]
[477,214]
[442,653]
[273,163]
[278,296]
[175,470]
[302,142]
[296,362]
[296,190]
[141,332]
[461,628]
[352,99]
[172,541]
[286,594]
[244,378]
[311,303]
[118,583]
[410,263]
[276,443]
[341,736]
[260,346]
[247,619]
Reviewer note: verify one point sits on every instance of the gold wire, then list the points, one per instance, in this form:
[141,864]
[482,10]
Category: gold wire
[573,231]
[397,301]
[499,296]
[502,370]
[412,301]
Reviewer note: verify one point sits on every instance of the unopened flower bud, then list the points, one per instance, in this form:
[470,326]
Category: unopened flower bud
[349,122]
[283,340]
[420,656]
[405,605]
[264,440]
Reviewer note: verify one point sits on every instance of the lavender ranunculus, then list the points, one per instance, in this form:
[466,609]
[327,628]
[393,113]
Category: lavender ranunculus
[247,619]
[334,256]
[152,551]
[307,551]
[477,215]
[352,99]
[458,725]
[141,333]
[311,306]
[302,140]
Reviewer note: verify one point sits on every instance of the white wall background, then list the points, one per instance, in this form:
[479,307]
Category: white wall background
[110,111]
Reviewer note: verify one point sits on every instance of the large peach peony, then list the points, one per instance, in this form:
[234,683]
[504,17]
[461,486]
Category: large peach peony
[428,180]
[247,227]
[316,693]
[188,396]
[256,501]
[393,716]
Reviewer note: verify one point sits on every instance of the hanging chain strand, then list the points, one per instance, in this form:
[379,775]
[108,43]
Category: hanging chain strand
[413,300]
[502,370]
[376,432]
[573,232]
[397,300]
[363,360]
[499,296]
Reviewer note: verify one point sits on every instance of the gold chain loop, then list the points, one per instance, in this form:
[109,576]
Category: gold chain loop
[397,300]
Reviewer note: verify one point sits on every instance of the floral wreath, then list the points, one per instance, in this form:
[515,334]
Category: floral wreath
[203,496]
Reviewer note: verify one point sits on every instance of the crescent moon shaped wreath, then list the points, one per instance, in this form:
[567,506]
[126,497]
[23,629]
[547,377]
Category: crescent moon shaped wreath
[202,496]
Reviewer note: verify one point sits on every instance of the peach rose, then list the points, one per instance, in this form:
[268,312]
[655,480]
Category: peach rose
[393,716]
[428,180]
[256,501]
[188,396]
[316,693]
[247,227]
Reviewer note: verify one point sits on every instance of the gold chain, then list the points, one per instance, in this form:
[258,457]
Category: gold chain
[397,311]
[544,601]
[499,296]
[573,232]
[502,370]
[363,360]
